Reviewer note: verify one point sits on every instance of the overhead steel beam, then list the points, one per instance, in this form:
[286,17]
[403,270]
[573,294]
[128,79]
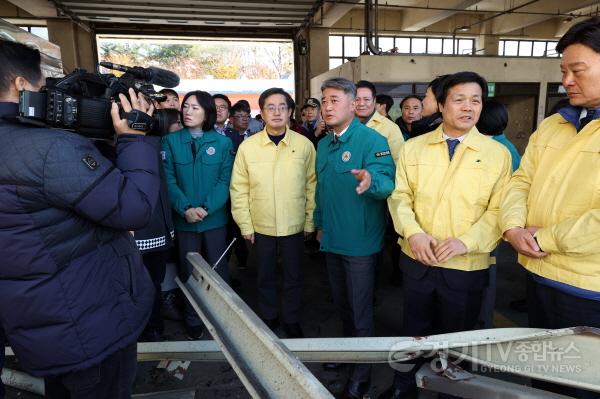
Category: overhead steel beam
[187,16]
[264,365]
[117,5]
[417,19]
[509,22]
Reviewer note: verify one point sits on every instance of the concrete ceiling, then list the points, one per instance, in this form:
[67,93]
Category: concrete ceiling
[503,16]
[241,13]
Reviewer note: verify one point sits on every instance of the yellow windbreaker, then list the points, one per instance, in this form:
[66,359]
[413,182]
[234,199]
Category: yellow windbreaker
[273,186]
[458,199]
[390,131]
[557,188]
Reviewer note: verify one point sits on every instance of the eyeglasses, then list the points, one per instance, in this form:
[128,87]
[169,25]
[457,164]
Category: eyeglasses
[272,108]
[222,108]
[245,116]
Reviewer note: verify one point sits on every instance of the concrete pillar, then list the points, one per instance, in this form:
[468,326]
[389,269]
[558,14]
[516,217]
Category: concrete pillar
[488,43]
[77,45]
[318,50]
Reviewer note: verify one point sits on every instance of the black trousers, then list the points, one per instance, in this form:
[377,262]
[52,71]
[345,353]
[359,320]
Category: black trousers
[436,301]
[291,249]
[552,308]
[240,248]
[210,244]
[2,344]
[156,263]
[352,280]
[111,379]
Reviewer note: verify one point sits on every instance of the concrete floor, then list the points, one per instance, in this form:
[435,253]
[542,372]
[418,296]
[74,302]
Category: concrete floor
[217,380]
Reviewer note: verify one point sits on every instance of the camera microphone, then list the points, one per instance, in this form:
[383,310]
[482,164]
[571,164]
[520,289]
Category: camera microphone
[154,75]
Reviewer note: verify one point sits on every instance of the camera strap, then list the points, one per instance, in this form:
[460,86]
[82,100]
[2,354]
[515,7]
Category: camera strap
[138,120]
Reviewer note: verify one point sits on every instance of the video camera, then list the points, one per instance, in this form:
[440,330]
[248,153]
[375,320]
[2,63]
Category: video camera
[81,101]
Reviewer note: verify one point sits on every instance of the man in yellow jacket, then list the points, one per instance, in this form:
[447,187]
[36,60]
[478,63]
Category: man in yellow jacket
[272,201]
[551,211]
[445,205]
[368,115]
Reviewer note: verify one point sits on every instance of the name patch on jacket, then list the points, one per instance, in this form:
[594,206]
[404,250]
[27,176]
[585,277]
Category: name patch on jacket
[382,154]
[90,162]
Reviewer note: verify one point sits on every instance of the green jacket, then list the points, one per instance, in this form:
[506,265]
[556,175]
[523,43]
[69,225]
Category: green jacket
[353,224]
[198,171]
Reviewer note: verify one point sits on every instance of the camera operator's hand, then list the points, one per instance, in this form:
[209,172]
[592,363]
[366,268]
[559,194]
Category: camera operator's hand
[138,102]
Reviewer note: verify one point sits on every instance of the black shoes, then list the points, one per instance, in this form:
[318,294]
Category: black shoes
[170,308]
[293,330]
[355,389]
[395,393]
[151,335]
[194,333]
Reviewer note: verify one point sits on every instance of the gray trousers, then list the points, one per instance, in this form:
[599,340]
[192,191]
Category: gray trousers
[352,280]
[291,249]
[210,244]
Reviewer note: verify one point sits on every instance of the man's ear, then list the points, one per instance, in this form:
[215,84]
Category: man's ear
[20,82]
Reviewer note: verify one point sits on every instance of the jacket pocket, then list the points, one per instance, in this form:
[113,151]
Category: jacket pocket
[346,167]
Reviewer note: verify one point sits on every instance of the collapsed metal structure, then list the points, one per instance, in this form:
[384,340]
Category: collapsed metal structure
[272,368]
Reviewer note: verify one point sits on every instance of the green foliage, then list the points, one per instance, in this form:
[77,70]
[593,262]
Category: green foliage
[220,60]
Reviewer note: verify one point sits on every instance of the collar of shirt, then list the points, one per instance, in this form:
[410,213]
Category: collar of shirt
[573,114]
[338,135]
[461,138]
[585,111]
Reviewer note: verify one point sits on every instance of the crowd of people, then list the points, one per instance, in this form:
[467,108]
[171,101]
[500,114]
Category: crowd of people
[87,229]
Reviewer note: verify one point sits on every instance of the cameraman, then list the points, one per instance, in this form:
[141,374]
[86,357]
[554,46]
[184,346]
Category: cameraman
[75,293]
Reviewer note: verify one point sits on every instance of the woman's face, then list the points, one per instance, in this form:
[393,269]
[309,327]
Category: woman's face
[193,113]
[430,105]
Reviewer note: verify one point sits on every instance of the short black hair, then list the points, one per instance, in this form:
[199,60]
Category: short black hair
[244,104]
[169,91]
[585,32]
[238,107]
[273,91]
[171,115]
[224,98]
[208,105]
[461,78]
[493,119]
[386,100]
[17,59]
[408,98]
[368,85]
[436,85]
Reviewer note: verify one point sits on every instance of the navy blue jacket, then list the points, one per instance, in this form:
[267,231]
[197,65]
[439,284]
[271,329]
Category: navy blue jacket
[73,286]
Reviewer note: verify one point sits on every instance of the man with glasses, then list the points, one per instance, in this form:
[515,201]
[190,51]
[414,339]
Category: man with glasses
[222,104]
[238,130]
[272,201]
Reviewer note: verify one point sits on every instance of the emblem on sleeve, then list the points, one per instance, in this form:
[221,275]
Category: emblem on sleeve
[382,154]
[210,150]
[90,162]
[346,156]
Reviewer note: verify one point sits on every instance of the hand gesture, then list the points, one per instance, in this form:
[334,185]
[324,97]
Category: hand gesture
[522,240]
[364,177]
[448,249]
[421,245]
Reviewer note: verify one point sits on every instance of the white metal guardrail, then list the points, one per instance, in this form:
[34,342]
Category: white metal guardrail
[269,367]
